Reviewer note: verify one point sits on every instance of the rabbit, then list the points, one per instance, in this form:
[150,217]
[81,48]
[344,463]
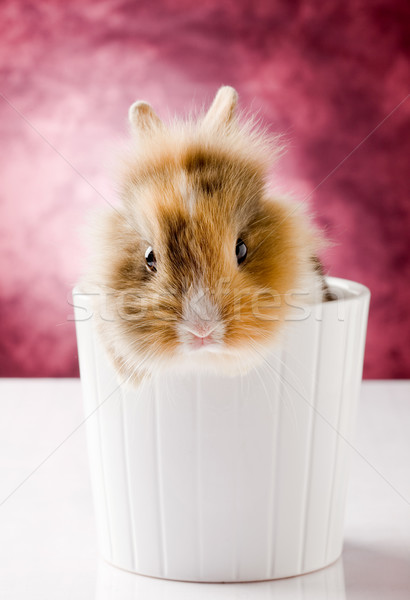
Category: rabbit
[199,265]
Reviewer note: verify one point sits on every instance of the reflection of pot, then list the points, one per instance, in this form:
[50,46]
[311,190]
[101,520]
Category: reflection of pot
[205,477]
[326,584]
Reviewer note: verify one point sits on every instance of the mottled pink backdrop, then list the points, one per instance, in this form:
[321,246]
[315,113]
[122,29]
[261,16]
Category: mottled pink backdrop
[326,74]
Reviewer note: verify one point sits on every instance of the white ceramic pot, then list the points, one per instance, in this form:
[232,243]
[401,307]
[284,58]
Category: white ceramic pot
[203,477]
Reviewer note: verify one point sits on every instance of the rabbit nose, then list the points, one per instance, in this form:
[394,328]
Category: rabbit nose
[202,330]
[201,323]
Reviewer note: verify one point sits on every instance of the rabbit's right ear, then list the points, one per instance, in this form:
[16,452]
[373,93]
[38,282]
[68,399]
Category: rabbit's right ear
[222,112]
[143,118]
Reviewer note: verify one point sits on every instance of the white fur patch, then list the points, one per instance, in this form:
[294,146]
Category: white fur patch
[187,193]
[198,306]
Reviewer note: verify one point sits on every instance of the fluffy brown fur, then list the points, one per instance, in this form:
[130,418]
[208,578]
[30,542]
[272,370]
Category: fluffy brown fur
[190,191]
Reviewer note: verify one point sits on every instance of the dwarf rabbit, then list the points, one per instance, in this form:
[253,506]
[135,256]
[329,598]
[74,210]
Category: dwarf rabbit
[200,264]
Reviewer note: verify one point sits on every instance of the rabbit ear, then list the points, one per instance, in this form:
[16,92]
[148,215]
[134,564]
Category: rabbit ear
[222,110]
[143,118]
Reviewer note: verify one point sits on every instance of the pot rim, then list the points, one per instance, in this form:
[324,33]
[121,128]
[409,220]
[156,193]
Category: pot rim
[353,290]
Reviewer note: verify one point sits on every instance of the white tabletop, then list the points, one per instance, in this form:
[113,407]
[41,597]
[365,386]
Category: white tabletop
[48,546]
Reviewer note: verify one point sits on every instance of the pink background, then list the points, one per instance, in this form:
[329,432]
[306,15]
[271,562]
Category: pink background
[324,73]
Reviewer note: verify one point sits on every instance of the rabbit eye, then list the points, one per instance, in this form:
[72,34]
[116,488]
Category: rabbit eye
[241,251]
[150,259]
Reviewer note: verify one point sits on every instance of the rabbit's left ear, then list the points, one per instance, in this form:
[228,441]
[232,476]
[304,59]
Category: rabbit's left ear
[143,118]
[223,108]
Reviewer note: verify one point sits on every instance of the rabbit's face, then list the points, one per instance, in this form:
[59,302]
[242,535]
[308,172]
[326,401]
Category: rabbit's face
[206,260]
